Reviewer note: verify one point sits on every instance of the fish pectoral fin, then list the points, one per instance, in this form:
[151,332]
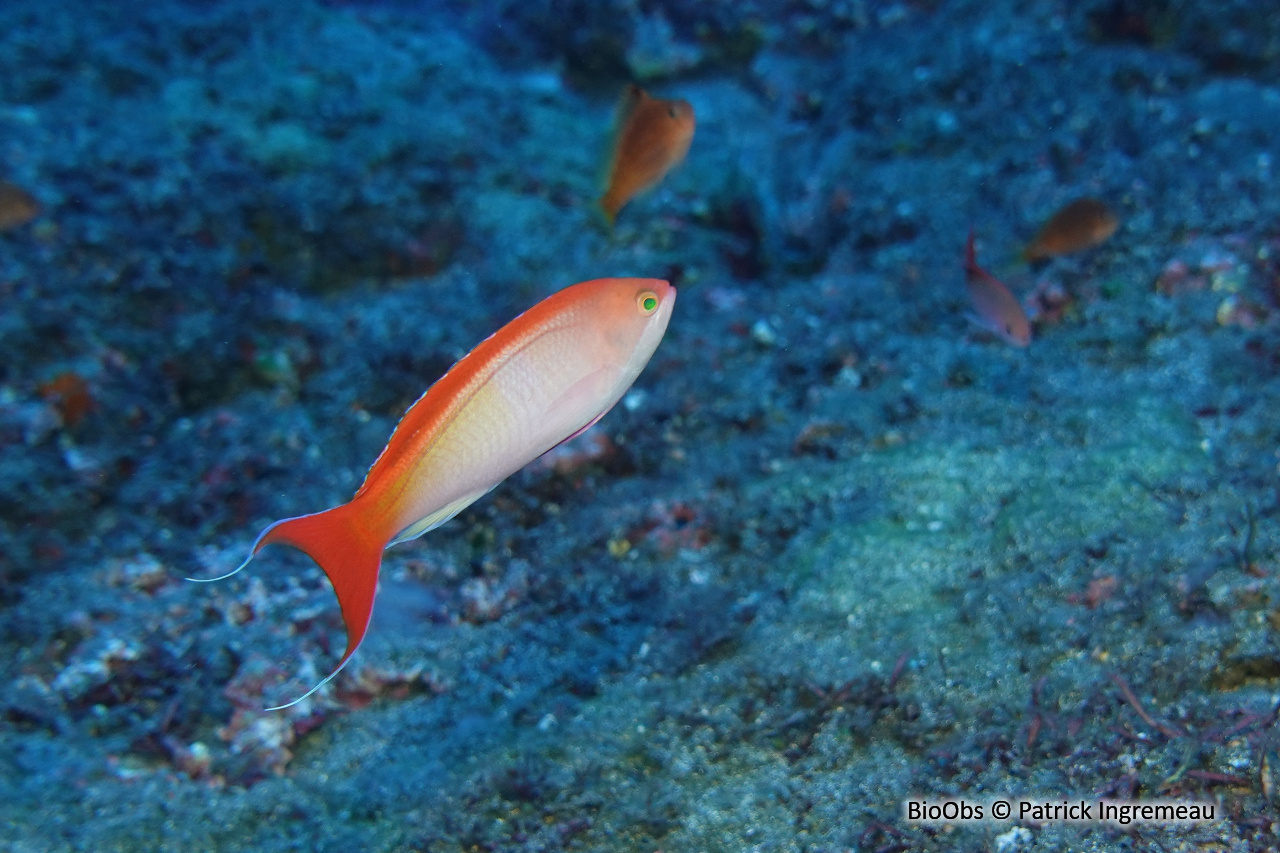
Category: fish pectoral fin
[564,416]
[584,392]
[437,518]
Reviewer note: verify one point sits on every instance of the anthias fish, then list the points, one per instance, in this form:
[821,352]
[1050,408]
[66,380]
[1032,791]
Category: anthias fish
[995,308]
[540,380]
[653,138]
[1082,224]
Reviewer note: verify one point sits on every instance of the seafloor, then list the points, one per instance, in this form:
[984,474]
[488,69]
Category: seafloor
[839,548]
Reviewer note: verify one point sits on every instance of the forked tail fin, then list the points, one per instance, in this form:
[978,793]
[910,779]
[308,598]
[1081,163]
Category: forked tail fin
[349,555]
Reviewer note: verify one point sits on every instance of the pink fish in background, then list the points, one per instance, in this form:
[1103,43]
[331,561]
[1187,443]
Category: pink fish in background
[995,308]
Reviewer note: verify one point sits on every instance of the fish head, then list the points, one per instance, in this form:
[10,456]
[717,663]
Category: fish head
[1107,224]
[682,123]
[1016,330]
[680,111]
[632,316]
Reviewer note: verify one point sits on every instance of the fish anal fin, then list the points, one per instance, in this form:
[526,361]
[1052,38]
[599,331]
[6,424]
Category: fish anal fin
[437,518]
[588,426]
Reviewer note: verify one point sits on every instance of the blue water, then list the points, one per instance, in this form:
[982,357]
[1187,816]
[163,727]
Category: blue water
[839,549]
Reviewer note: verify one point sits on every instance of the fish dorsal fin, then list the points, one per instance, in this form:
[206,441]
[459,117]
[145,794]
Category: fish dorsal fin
[400,423]
[970,254]
[632,97]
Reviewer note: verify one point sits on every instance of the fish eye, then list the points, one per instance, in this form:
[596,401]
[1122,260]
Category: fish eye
[647,301]
[671,111]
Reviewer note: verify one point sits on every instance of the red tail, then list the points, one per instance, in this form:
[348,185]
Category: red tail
[348,554]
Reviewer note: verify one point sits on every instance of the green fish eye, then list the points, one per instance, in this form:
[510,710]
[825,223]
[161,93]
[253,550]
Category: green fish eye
[648,303]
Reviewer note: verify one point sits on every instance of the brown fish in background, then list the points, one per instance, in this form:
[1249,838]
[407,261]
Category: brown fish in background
[653,137]
[17,206]
[69,394]
[1082,224]
[995,308]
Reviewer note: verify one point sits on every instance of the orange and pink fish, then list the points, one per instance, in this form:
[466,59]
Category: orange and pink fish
[542,379]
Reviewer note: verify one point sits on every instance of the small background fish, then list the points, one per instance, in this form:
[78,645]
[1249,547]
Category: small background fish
[17,206]
[1082,224]
[653,137]
[995,307]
